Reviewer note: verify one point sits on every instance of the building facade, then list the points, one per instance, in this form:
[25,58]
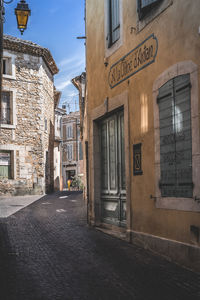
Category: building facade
[27,118]
[80,83]
[59,113]
[72,148]
[142,65]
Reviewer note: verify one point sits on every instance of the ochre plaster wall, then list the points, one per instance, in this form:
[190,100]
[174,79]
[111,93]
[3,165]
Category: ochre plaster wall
[177,32]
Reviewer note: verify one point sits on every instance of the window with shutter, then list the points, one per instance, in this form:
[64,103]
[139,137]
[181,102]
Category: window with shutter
[114,23]
[175,138]
[69,132]
[146,6]
[5,108]
[7,69]
[5,164]
[70,152]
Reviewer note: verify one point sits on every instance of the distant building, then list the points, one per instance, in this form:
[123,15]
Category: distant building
[80,83]
[27,118]
[72,147]
[59,113]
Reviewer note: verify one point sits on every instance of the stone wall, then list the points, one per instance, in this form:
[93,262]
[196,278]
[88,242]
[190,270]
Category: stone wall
[27,138]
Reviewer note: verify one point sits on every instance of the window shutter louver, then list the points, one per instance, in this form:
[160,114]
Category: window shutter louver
[114,24]
[115,20]
[175,138]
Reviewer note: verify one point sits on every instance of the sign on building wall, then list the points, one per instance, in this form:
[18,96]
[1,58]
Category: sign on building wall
[137,159]
[137,59]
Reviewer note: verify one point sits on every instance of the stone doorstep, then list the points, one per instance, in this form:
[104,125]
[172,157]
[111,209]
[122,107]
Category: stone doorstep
[118,232]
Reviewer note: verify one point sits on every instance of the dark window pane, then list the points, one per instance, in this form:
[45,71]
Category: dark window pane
[4,66]
[112,153]
[145,3]
[146,6]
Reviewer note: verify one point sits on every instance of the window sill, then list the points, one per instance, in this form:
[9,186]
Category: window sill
[113,48]
[7,126]
[151,16]
[6,76]
[183,204]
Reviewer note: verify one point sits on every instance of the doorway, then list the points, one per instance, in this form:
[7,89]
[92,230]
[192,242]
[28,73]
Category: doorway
[113,175]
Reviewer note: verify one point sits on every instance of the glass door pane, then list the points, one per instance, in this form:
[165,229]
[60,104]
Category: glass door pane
[112,155]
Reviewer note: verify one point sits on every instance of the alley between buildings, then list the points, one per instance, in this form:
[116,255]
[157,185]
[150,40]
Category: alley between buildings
[47,252]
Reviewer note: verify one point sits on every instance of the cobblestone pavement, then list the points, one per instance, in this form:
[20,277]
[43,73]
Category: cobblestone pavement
[47,252]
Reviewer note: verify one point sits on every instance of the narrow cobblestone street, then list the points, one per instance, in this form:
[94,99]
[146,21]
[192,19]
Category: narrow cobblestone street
[47,252]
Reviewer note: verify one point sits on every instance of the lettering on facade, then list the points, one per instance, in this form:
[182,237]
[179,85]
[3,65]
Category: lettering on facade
[137,59]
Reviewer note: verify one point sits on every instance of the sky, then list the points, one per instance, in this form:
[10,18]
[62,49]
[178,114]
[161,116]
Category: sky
[55,24]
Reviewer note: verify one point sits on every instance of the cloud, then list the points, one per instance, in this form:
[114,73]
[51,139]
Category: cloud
[62,84]
[70,67]
[67,61]
[76,59]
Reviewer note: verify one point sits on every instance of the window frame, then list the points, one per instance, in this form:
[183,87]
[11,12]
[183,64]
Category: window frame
[172,134]
[156,10]
[145,11]
[7,149]
[13,116]
[10,58]
[109,50]
[8,120]
[69,132]
[185,204]
[110,37]
[70,150]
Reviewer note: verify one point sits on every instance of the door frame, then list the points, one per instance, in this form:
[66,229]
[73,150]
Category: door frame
[102,111]
[117,194]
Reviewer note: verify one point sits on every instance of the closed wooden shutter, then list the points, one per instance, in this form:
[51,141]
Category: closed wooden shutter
[70,152]
[114,23]
[175,138]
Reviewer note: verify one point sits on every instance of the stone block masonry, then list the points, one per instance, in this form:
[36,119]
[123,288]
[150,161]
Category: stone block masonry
[28,134]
